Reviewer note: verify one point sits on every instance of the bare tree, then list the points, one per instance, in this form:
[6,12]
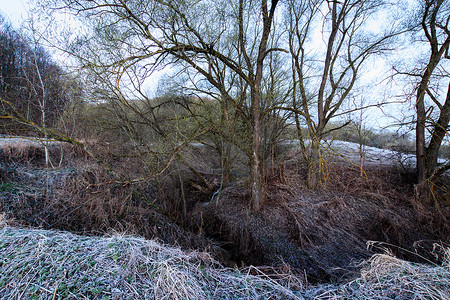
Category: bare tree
[224,45]
[31,82]
[320,89]
[435,27]
[40,85]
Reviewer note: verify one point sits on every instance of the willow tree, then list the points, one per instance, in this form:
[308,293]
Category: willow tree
[434,114]
[124,41]
[325,74]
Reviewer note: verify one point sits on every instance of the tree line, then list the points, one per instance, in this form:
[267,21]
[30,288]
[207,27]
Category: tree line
[34,89]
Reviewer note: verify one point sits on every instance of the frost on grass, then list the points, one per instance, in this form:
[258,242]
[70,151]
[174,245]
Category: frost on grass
[38,264]
[387,277]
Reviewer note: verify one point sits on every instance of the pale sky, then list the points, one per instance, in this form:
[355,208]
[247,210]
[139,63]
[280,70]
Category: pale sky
[14,10]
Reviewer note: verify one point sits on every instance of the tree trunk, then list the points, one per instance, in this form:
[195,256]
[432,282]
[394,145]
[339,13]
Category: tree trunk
[257,188]
[429,26]
[257,179]
[420,132]
[440,129]
[421,151]
[328,59]
[313,173]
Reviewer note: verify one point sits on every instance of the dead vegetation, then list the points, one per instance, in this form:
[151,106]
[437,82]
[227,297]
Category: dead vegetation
[318,234]
[91,201]
[30,151]
[324,232]
[386,277]
[39,264]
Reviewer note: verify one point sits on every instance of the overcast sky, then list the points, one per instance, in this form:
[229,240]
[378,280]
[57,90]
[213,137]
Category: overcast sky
[14,10]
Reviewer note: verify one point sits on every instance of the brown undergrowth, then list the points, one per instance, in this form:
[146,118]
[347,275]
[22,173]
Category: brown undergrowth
[92,201]
[321,233]
[324,232]
[84,197]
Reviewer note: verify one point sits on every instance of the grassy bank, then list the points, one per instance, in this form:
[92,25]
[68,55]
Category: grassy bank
[38,264]
[41,264]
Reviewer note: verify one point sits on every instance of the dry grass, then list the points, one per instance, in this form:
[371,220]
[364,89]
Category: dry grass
[38,264]
[321,232]
[3,221]
[22,152]
[387,277]
[30,151]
